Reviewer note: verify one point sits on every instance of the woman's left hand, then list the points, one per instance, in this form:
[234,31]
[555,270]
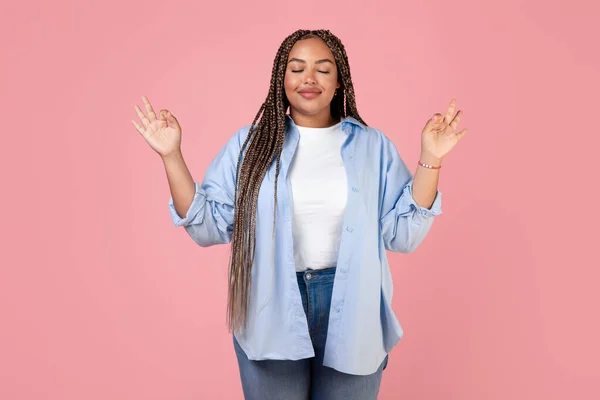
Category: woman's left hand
[439,135]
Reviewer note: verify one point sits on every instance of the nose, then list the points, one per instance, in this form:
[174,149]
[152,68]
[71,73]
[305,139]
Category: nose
[309,77]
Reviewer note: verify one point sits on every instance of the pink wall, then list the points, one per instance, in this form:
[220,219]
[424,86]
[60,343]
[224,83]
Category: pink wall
[101,297]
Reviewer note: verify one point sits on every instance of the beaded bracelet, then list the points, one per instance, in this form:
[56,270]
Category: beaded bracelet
[429,166]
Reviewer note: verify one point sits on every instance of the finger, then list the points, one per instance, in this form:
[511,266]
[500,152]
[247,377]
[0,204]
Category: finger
[456,119]
[450,111]
[142,116]
[172,120]
[435,123]
[438,122]
[149,110]
[437,119]
[461,134]
[139,128]
[162,115]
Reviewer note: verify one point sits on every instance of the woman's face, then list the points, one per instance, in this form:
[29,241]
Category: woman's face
[311,78]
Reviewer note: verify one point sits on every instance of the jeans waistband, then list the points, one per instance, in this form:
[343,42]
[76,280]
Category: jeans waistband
[316,275]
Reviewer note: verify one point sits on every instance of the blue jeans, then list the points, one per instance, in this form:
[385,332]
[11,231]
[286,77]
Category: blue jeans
[308,378]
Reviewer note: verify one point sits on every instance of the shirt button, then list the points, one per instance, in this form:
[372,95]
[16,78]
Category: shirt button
[344,270]
[337,310]
[354,189]
[308,276]
[349,229]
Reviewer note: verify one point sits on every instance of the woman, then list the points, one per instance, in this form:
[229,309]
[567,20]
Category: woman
[318,198]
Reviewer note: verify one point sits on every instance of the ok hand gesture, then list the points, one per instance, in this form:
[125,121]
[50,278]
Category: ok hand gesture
[163,134]
[440,135]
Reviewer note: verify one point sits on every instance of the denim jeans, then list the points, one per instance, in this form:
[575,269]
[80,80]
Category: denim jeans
[308,378]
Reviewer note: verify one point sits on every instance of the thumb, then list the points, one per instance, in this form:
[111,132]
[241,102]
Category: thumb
[162,115]
[431,123]
[171,118]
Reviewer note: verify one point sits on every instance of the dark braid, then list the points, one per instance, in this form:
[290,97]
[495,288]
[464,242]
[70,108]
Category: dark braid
[265,143]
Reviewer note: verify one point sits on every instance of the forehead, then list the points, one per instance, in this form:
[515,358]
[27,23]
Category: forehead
[311,49]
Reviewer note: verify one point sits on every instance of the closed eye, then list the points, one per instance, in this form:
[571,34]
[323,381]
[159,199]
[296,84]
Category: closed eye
[323,72]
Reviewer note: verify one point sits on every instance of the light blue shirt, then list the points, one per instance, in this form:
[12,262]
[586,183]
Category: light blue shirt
[380,215]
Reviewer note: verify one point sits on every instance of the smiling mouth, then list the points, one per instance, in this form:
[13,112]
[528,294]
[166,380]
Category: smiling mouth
[309,95]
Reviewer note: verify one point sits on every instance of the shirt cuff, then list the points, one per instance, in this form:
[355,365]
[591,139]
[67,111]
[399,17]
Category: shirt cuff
[193,211]
[408,203]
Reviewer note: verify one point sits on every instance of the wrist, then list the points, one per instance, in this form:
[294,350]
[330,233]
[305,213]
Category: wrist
[174,155]
[429,159]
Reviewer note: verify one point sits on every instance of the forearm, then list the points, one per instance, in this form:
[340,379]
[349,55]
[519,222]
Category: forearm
[181,183]
[425,184]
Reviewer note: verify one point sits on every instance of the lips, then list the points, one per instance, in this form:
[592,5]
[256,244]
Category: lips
[309,93]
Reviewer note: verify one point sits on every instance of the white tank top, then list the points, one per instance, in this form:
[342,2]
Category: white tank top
[319,195]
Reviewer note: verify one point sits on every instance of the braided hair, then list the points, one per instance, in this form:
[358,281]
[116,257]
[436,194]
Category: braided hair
[265,142]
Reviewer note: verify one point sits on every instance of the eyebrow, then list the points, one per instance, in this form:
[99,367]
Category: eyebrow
[324,60]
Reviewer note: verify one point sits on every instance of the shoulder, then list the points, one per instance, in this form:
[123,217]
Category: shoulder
[242,134]
[377,138]
[235,141]
[239,137]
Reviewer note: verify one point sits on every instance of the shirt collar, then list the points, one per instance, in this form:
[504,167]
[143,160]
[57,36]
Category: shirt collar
[354,121]
[345,120]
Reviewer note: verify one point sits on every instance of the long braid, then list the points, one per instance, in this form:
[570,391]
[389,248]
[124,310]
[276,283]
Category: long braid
[264,144]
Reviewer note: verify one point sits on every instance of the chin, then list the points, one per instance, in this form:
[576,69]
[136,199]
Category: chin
[310,109]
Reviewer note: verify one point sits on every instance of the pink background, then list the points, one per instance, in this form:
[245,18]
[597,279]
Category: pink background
[101,297]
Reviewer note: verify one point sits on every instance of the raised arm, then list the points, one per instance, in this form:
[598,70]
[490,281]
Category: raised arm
[209,217]
[409,203]
[205,210]
[404,223]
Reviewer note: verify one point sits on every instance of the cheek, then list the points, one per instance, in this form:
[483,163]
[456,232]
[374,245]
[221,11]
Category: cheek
[332,80]
[290,82]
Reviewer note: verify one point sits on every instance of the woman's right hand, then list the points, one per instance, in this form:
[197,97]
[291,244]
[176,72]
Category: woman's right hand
[163,134]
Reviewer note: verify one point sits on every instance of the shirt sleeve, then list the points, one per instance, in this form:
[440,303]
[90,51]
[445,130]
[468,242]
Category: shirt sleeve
[404,224]
[209,219]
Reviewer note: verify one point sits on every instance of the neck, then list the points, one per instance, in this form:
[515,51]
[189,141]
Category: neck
[321,120]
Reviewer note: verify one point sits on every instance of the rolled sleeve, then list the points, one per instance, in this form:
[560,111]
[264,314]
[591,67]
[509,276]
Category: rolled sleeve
[405,227]
[193,216]
[404,224]
[210,217]
[407,205]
